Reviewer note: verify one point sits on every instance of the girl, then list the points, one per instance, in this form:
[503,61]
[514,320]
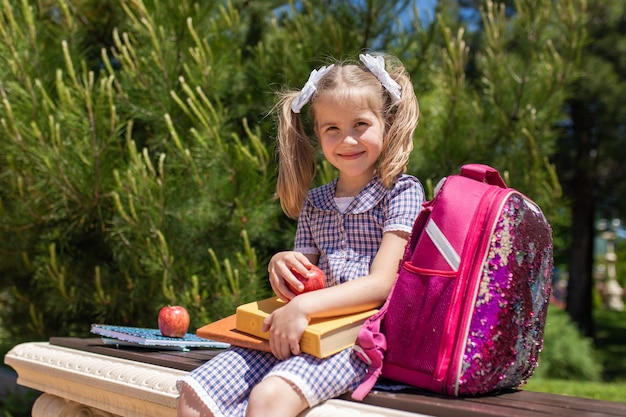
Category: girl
[357,226]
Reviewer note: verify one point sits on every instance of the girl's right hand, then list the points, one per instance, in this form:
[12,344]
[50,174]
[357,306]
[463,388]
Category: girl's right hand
[279,271]
[285,325]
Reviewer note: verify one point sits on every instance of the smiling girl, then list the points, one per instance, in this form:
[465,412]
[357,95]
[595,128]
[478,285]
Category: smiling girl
[354,228]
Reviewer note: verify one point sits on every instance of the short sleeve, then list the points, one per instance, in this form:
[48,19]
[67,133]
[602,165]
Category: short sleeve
[304,241]
[405,202]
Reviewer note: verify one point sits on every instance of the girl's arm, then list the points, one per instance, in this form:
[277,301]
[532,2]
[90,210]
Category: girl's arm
[288,323]
[359,294]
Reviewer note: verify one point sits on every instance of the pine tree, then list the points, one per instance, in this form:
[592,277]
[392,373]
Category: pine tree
[496,97]
[126,182]
[141,172]
[592,167]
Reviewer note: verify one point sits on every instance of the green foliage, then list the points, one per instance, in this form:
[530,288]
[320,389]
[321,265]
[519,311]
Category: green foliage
[498,93]
[610,347]
[610,340]
[602,115]
[18,403]
[136,160]
[130,188]
[567,354]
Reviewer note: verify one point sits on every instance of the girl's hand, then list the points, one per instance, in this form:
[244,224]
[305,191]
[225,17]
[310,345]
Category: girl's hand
[279,272]
[286,326]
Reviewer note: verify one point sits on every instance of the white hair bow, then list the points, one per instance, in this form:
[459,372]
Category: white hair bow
[309,88]
[377,67]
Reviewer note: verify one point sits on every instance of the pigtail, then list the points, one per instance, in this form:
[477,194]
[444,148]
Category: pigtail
[401,121]
[296,158]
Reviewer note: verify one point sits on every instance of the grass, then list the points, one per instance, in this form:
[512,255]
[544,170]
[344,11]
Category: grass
[610,343]
[608,391]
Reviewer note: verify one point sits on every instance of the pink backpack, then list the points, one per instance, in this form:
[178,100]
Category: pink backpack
[467,311]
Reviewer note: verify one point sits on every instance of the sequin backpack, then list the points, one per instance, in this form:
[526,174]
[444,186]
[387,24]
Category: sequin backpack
[467,311]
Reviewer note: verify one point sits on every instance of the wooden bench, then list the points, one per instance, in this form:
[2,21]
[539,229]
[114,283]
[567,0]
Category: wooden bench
[84,377]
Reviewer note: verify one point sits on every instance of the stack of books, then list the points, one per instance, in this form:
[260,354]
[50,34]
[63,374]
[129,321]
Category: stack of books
[322,338]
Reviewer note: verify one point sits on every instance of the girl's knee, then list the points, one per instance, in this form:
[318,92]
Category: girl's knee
[275,396]
[264,395]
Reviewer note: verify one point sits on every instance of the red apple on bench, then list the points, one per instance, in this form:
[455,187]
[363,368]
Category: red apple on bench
[173,321]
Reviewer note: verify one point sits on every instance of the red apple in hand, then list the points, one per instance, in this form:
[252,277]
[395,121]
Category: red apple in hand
[173,321]
[316,280]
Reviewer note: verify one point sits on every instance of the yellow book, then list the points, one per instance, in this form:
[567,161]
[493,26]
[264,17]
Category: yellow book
[322,338]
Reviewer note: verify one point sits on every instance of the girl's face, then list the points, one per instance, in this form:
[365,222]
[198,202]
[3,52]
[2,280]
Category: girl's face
[351,137]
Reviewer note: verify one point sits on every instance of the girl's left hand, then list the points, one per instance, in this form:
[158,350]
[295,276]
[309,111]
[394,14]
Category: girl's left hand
[286,326]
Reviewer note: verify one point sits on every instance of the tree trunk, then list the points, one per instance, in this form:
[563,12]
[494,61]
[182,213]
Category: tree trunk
[579,300]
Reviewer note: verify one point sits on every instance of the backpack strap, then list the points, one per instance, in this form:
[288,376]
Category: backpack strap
[370,347]
[483,173]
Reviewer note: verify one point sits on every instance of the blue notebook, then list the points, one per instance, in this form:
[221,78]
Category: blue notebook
[141,336]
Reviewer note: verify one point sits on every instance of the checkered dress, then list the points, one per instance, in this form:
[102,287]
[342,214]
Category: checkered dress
[346,243]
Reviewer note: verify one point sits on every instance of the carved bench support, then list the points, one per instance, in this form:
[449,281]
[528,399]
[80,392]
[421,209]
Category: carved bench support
[101,385]
[48,405]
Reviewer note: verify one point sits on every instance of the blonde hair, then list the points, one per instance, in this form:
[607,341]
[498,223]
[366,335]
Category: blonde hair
[296,165]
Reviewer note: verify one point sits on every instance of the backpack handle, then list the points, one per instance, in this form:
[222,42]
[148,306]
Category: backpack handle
[483,173]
